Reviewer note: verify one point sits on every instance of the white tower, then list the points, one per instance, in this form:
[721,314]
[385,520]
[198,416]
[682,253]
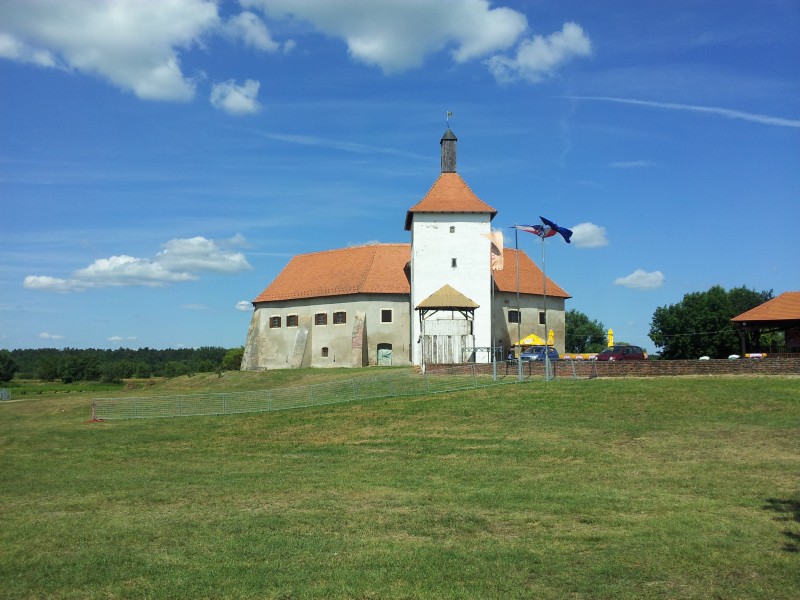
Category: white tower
[447,249]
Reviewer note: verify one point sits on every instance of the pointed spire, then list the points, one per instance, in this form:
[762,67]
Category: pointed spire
[448,144]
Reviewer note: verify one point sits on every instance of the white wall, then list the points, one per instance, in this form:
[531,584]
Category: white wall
[433,247]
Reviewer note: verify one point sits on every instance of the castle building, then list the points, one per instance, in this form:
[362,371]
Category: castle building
[425,302]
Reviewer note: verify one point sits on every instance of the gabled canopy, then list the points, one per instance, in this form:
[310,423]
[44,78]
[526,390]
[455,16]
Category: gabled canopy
[447,298]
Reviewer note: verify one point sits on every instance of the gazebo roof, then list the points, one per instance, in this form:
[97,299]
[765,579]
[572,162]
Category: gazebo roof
[784,308]
[447,298]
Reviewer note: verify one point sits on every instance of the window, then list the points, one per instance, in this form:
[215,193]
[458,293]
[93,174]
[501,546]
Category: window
[339,317]
[453,262]
[452,228]
[274,322]
[325,352]
[321,319]
[386,315]
[541,317]
[291,320]
[514,316]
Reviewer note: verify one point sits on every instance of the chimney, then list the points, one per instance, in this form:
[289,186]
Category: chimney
[448,143]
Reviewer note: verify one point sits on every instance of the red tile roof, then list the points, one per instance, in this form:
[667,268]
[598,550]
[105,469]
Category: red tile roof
[449,194]
[530,276]
[785,307]
[372,269]
[380,269]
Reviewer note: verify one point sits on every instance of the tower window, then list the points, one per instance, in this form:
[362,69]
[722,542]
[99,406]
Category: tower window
[452,228]
[325,352]
[541,317]
[454,262]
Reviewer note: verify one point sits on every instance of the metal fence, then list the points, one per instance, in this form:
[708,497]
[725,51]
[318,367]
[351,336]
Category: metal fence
[405,383]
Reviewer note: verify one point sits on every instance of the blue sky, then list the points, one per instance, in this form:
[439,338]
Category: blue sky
[160,162]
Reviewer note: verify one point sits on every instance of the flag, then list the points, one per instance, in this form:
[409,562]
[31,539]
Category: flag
[496,238]
[549,229]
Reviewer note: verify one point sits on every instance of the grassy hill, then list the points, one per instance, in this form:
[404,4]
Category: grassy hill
[639,488]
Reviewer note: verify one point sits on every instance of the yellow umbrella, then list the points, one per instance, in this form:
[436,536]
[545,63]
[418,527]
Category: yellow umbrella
[531,340]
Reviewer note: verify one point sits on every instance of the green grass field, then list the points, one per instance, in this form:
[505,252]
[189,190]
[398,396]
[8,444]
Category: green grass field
[606,488]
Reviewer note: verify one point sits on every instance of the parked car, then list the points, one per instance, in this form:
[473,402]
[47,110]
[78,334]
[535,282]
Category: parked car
[614,353]
[538,353]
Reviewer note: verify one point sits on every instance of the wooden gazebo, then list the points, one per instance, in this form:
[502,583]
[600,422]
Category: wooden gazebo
[779,314]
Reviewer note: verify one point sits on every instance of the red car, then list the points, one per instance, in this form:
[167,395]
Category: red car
[615,353]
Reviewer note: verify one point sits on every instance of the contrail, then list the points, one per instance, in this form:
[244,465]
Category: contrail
[723,112]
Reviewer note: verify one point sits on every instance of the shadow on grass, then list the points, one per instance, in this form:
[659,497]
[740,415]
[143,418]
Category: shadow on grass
[788,510]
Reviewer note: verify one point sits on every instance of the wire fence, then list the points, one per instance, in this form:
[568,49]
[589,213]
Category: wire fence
[405,383]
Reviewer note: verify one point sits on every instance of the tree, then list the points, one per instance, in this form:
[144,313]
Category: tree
[8,366]
[232,360]
[699,325]
[583,334]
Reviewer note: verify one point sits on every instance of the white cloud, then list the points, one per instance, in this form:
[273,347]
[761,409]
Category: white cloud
[118,339]
[244,306]
[641,280]
[50,336]
[252,30]
[236,99]
[133,44]
[397,36]
[538,58]
[589,235]
[19,51]
[180,260]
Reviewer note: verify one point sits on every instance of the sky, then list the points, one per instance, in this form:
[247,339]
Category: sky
[161,161]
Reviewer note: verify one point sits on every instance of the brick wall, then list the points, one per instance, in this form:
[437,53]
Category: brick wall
[649,368]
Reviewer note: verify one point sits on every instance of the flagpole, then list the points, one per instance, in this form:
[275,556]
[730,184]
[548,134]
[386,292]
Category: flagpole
[491,333]
[546,331]
[519,308]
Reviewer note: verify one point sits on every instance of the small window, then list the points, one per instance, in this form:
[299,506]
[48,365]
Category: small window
[452,228]
[325,352]
[386,315]
[291,320]
[339,317]
[513,316]
[454,262]
[274,322]
[541,317]
[321,319]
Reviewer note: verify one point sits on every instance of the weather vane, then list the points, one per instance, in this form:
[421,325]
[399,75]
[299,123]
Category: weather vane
[449,114]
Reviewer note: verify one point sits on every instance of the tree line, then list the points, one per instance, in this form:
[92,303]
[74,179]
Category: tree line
[699,325]
[72,364]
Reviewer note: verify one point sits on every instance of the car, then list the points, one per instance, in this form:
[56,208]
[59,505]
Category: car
[538,353]
[615,353]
